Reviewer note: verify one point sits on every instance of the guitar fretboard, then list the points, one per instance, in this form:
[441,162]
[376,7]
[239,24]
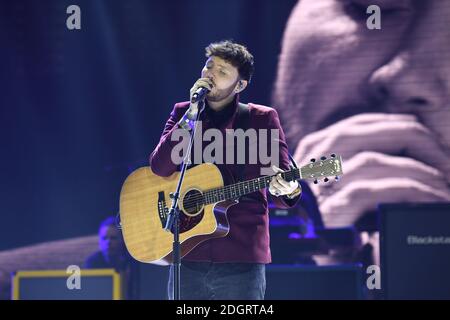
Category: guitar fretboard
[239,189]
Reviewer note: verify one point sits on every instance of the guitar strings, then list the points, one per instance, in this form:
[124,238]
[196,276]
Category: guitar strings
[202,197]
[196,199]
[288,174]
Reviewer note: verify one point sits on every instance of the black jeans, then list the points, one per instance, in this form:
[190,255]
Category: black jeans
[220,281]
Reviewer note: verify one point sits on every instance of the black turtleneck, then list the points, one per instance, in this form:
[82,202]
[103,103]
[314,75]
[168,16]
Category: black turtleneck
[218,118]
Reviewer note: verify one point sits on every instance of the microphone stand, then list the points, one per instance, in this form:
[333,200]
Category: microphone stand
[173,218]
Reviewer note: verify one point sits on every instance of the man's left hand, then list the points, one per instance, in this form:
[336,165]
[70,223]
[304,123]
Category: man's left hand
[279,187]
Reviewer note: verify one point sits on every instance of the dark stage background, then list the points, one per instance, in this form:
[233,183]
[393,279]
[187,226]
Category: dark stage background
[80,109]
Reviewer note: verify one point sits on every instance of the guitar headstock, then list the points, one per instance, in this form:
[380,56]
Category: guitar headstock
[323,168]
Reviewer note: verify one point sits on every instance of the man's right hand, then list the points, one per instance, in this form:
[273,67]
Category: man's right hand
[387,158]
[202,82]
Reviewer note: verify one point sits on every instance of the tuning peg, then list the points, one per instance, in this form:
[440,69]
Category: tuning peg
[337,178]
[316,182]
[323,158]
[325,180]
[333,155]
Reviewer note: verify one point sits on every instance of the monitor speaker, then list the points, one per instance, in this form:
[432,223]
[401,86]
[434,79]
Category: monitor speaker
[415,250]
[98,284]
[151,282]
[291,282]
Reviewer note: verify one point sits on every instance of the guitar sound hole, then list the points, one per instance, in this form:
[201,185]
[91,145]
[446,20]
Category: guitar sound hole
[193,202]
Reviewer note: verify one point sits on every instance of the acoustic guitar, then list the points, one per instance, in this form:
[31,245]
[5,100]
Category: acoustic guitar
[145,200]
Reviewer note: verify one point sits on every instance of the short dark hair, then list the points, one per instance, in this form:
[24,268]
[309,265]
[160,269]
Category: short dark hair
[234,53]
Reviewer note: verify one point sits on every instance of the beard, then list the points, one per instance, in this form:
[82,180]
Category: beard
[220,94]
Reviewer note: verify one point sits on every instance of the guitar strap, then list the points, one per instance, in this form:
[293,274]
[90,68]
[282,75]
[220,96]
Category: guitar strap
[242,122]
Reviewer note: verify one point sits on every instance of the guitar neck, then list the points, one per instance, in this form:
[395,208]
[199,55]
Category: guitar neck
[314,170]
[239,189]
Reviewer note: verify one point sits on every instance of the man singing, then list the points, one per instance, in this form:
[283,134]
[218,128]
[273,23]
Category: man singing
[232,267]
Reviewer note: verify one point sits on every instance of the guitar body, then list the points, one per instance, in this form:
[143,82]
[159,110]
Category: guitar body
[144,203]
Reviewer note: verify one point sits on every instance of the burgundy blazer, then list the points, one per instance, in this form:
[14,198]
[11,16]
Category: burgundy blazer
[248,239]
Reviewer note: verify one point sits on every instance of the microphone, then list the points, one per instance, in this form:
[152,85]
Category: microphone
[199,94]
